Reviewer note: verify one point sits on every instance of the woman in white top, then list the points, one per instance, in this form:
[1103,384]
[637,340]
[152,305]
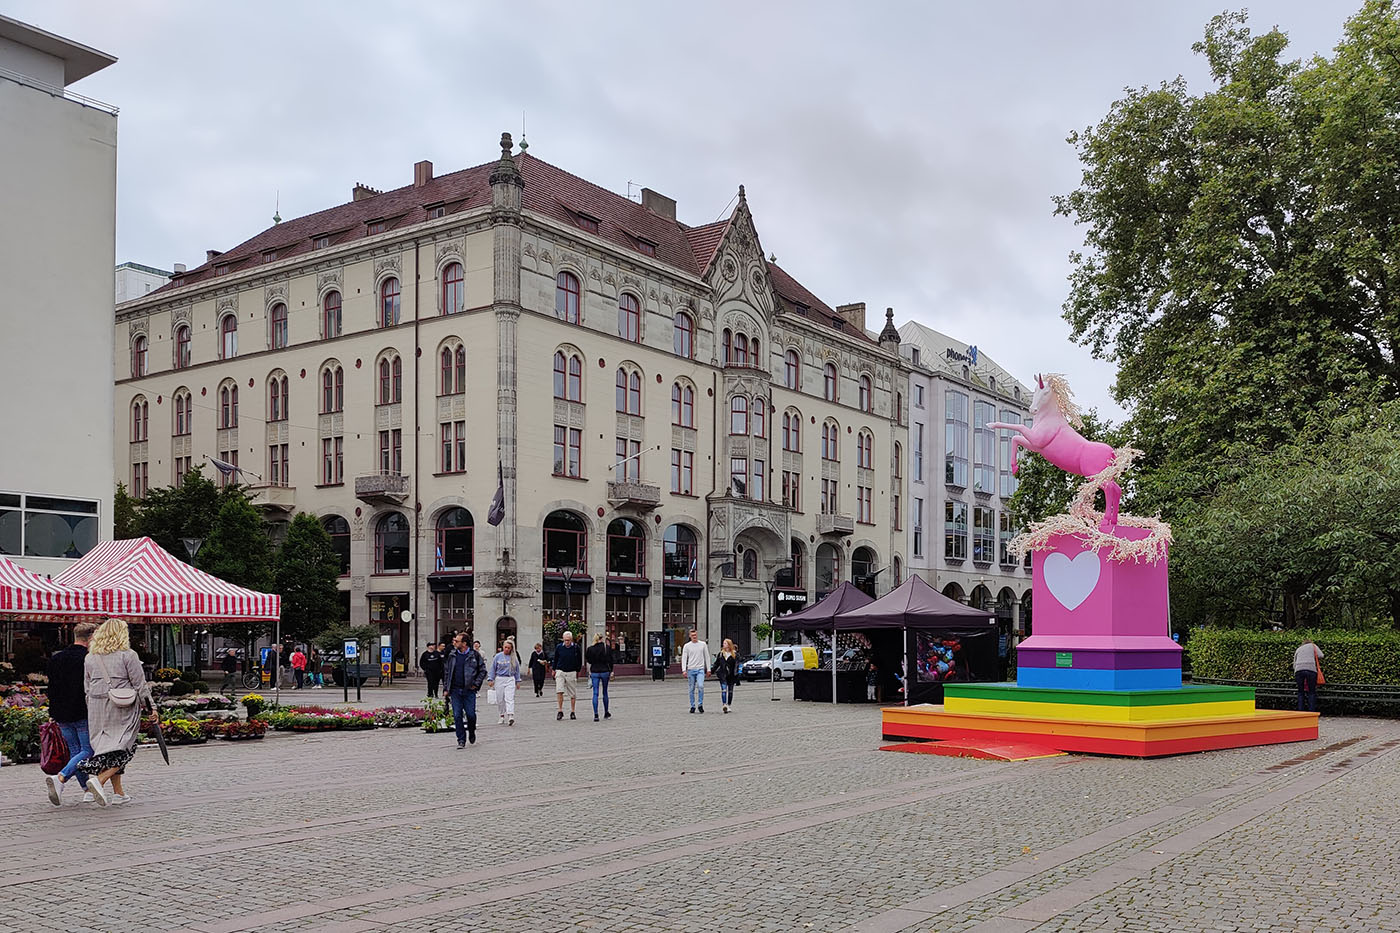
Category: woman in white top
[504,676]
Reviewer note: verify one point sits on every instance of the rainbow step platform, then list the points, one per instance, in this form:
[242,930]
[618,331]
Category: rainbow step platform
[1131,723]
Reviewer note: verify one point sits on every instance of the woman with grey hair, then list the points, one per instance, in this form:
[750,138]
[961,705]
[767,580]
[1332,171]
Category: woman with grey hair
[116,690]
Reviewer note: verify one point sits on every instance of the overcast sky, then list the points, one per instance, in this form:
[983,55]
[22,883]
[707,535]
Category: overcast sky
[900,154]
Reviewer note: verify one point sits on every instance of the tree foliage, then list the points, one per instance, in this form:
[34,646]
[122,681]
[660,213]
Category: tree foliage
[1240,260]
[126,515]
[172,513]
[306,571]
[237,550]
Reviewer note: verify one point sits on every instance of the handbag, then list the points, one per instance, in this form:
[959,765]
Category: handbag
[120,696]
[1317,663]
[53,749]
[490,695]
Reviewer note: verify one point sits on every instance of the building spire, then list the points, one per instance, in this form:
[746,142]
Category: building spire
[890,333]
[506,171]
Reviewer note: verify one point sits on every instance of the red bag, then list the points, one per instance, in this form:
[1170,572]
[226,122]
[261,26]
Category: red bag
[53,750]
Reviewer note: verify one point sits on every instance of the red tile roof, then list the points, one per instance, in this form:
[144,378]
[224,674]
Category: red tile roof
[705,240]
[794,297]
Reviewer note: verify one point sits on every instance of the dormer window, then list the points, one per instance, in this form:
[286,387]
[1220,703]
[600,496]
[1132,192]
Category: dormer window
[221,269]
[373,227]
[269,255]
[645,248]
[321,242]
[436,210]
[586,223]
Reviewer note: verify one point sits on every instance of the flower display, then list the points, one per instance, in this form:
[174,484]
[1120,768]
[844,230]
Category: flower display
[399,716]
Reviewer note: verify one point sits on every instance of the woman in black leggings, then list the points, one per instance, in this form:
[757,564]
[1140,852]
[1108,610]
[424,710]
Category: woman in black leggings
[537,668]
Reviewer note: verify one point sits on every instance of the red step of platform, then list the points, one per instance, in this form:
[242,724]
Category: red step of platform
[988,751]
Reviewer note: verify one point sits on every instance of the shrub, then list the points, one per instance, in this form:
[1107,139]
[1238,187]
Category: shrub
[166,674]
[201,686]
[19,731]
[254,703]
[180,688]
[190,676]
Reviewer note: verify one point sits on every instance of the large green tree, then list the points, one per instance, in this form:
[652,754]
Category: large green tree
[238,550]
[172,513]
[305,575]
[1241,249]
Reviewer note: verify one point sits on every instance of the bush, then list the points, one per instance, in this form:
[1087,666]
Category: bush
[19,732]
[180,688]
[201,686]
[189,676]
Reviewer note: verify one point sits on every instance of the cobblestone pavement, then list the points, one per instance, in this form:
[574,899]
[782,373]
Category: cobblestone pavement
[780,816]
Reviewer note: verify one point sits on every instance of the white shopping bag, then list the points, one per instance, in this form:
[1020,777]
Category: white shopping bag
[490,695]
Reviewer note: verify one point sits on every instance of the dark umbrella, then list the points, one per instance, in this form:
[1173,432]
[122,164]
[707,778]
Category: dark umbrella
[160,738]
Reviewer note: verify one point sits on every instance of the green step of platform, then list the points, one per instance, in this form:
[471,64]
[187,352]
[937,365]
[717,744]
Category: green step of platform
[1192,694]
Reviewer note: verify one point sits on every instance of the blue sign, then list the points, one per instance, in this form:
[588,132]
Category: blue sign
[656,651]
[386,654]
[352,650]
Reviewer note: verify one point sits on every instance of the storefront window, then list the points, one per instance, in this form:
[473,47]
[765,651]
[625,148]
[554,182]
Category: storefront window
[565,543]
[679,616]
[680,553]
[454,614]
[623,620]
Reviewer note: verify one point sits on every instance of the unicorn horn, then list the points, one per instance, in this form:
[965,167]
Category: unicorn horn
[1039,380]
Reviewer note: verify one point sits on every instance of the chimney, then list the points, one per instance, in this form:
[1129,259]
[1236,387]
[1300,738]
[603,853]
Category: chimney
[854,314]
[422,173]
[658,204]
[179,268]
[211,254]
[360,192]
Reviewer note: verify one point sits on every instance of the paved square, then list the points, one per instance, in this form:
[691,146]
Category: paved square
[780,816]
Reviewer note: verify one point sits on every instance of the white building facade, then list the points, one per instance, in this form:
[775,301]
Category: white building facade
[686,437]
[133,280]
[960,474]
[58,176]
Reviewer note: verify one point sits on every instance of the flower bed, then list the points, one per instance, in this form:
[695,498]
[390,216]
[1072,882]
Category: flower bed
[236,731]
[399,717]
[318,719]
[19,732]
[199,704]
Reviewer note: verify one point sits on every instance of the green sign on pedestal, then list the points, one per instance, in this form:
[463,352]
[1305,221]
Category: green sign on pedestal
[1064,659]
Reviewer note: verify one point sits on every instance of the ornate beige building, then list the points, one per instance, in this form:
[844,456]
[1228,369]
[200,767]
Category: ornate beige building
[676,418]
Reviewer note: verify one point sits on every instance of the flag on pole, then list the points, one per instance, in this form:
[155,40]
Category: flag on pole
[497,512]
[223,466]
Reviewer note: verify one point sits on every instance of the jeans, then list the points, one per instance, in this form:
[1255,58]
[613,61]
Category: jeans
[299,674]
[697,687]
[76,735]
[726,693]
[463,704]
[600,679]
[1307,690]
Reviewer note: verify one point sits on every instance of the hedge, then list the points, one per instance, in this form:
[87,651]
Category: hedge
[1348,657]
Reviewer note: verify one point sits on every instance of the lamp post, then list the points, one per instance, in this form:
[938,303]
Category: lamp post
[772,585]
[568,574]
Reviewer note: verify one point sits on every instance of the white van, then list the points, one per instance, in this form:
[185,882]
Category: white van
[790,658]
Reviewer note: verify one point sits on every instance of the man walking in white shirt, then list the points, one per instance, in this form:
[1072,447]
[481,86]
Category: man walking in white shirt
[695,661]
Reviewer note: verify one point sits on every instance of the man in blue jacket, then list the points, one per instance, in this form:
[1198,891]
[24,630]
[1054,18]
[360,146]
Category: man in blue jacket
[462,676]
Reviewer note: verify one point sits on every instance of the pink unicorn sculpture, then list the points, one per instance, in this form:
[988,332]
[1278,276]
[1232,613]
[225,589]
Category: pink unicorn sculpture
[1052,434]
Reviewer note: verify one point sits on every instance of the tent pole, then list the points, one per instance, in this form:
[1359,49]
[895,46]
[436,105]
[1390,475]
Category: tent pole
[277,664]
[833,664]
[904,665]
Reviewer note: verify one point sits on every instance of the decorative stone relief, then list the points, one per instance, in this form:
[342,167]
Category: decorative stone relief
[387,264]
[528,250]
[595,275]
[632,280]
[452,249]
[357,528]
[609,279]
[546,257]
[327,279]
[141,326]
[226,303]
[181,315]
[274,293]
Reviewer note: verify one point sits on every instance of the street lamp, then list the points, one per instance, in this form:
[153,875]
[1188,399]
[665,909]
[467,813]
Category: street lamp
[772,585]
[568,574]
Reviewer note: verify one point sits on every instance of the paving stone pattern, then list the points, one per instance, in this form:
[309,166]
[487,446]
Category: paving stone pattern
[779,817]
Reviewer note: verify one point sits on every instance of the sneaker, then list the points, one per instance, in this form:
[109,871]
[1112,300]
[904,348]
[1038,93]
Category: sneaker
[461,745]
[120,798]
[55,788]
[99,794]
[560,716]
[595,717]
[88,798]
[502,722]
[724,709]
[692,709]
[607,715]
[701,709]
[572,716]
[511,722]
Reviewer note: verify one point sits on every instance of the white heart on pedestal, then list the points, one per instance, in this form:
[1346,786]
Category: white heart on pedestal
[1071,581]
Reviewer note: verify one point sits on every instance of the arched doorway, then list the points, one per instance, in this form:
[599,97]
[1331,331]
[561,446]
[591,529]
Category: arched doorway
[981,598]
[624,610]
[953,591]
[505,628]
[863,570]
[828,569]
[566,582]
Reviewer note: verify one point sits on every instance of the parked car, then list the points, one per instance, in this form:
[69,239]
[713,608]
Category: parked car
[790,658]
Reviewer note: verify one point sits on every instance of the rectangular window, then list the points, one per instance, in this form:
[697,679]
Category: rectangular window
[140,479]
[568,451]
[863,505]
[896,518]
[439,210]
[739,477]
[1004,535]
[682,471]
[830,499]
[984,448]
[231,457]
[277,465]
[321,242]
[182,466]
[955,439]
[918,452]
[1005,458]
[453,436]
[918,527]
[332,460]
[391,451]
[41,526]
[954,530]
[760,481]
[983,535]
[918,393]
[792,490]
[587,223]
[645,248]
[375,227]
[628,468]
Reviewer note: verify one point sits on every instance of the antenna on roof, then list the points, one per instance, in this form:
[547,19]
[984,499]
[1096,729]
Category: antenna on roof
[277,210]
[630,185]
[523,144]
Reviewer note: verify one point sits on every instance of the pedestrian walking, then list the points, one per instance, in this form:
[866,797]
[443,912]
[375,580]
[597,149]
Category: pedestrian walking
[68,708]
[600,667]
[505,677]
[116,690]
[568,660]
[1307,674]
[695,660]
[431,663]
[299,667]
[229,664]
[463,674]
[313,669]
[539,666]
[726,671]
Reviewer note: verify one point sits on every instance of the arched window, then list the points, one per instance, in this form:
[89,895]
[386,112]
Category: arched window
[864,450]
[760,417]
[865,394]
[228,405]
[459,362]
[389,302]
[568,376]
[629,391]
[183,414]
[455,531]
[741,350]
[798,575]
[792,369]
[831,441]
[332,389]
[140,410]
[330,314]
[453,362]
[828,568]
[897,568]
[182,346]
[626,549]
[898,460]
[755,358]
[829,382]
[139,351]
[683,339]
[792,431]
[750,564]
[390,380]
[277,321]
[862,565]
[339,531]
[680,553]
[565,542]
[391,544]
[738,415]
[727,344]
[277,398]
[629,317]
[453,293]
[682,405]
[566,297]
[228,337]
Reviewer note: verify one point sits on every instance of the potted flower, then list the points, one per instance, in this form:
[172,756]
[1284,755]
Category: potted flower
[254,704]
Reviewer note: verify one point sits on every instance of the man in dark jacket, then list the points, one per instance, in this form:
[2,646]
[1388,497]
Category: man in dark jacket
[568,660]
[68,708]
[431,662]
[463,674]
[229,663]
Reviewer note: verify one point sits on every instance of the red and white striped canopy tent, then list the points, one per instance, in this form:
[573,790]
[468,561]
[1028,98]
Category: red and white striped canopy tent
[25,594]
[139,580]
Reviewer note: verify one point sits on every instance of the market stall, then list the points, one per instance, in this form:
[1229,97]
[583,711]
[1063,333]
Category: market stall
[827,684]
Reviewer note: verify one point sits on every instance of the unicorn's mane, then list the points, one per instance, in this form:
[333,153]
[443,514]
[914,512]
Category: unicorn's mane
[1064,399]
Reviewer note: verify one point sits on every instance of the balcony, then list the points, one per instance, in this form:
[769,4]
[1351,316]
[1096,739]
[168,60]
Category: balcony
[270,498]
[639,496]
[835,525]
[382,488]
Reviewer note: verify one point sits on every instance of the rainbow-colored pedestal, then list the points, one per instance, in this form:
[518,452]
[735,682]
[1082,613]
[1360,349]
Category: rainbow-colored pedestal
[1101,674]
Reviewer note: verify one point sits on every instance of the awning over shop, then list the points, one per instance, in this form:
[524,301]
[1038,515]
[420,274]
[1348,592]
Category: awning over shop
[824,613]
[137,579]
[25,594]
[914,605]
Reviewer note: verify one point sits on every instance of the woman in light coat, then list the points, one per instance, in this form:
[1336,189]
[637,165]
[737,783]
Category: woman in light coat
[110,672]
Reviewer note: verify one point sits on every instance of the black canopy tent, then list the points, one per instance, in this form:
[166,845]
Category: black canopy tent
[952,642]
[823,615]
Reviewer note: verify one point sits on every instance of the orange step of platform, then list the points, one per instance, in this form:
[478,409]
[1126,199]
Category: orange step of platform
[990,751]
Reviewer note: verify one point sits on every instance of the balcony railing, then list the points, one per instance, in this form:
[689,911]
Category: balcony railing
[272,497]
[382,487]
[637,495]
[835,525]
